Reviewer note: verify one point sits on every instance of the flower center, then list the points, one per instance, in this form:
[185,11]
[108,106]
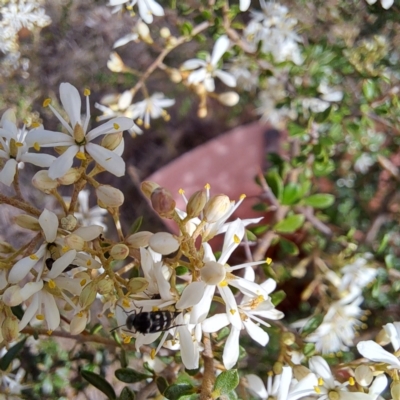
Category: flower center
[79,135]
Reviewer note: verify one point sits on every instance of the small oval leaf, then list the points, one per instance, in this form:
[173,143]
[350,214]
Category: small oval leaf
[320,200]
[99,383]
[290,224]
[226,382]
[312,324]
[162,384]
[6,360]
[175,392]
[126,394]
[129,375]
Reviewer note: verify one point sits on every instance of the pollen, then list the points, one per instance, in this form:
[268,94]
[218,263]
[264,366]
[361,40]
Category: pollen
[36,146]
[34,257]
[47,102]
[153,354]
[80,155]
[86,92]
[223,283]
[49,332]
[64,249]
[207,186]
[317,389]
[80,314]
[268,260]
[82,282]
[236,239]
[320,381]
[40,317]
[127,339]
[19,144]
[126,303]
[351,381]
[242,196]
[181,191]
[154,308]
[52,284]
[35,125]
[89,262]
[139,121]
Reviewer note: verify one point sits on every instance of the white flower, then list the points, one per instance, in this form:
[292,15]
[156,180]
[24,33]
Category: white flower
[357,274]
[152,107]
[89,216]
[363,163]
[244,5]
[386,4]
[147,8]
[205,71]
[14,149]
[78,141]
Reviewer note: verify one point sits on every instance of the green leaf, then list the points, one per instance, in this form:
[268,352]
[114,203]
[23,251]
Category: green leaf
[296,130]
[320,200]
[370,89]
[290,194]
[309,349]
[6,360]
[99,383]
[181,270]
[312,324]
[129,375]
[162,384]
[323,116]
[288,247]
[175,392]
[275,183]
[126,394]
[136,225]
[225,382]
[289,224]
[277,297]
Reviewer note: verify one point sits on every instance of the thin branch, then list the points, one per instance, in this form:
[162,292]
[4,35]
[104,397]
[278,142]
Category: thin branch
[22,205]
[209,374]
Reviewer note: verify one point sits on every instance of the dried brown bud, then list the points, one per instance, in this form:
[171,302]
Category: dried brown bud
[148,188]
[196,203]
[163,202]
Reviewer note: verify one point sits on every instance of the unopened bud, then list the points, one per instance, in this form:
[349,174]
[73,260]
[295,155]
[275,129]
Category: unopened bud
[139,239]
[27,222]
[138,285]
[277,368]
[148,188]
[288,338]
[124,100]
[164,243]
[165,32]
[229,99]
[202,112]
[70,177]
[175,75]
[212,273]
[196,203]
[88,295]
[112,141]
[105,286]
[363,375]
[9,329]
[78,323]
[42,182]
[115,63]
[216,207]
[144,32]
[163,202]
[74,242]
[108,196]
[68,223]
[119,251]
[300,372]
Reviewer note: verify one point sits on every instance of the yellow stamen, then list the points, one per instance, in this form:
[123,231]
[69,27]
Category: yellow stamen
[86,92]
[116,126]
[40,317]
[47,102]
[268,260]
[154,308]
[139,122]
[52,284]
[89,262]
[236,239]
[242,196]
[36,146]
[64,249]
[127,339]
[34,257]
[351,381]
[317,389]
[320,381]
[49,332]
[147,125]
[80,155]
[19,144]
[232,311]
[181,191]
[82,282]
[126,303]
[153,354]
[110,315]
[35,125]
[80,314]
[207,186]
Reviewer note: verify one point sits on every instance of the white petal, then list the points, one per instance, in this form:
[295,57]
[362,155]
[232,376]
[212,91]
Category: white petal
[48,138]
[284,384]
[197,76]
[114,125]
[71,101]
[226,77]
[192,295]
[386,4]
[200,310]
[51,312]
[109,160]
[88,233]
[155,8]
[209,83]
[244,5]
[30,311]
[372,351]
[62,164]
[256,333]
[215,323]
[321,368]
[256,385]
[7,174]
[393,335]
[49,223]
[231,350]
[145,13]
[125,39]
[231,306]
[61,263]
[193,63]
[40,160]
[189,349]
[220,47]
[304,388]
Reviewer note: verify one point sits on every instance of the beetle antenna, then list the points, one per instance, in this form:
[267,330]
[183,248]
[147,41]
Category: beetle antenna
[114,329]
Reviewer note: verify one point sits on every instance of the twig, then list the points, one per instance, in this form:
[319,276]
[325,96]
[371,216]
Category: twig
[22,205]
[318,224]
[209,375]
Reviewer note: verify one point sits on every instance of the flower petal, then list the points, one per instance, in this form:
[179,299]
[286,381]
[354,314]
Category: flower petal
[47,138]
[256,386]
[113,126]
[40,160]
[192,295]
[189,348]
[88,233]
[215,323]
[256,333]
[220,47]
[49,223]
[71,101]
[61,263]
[109,160]
[374,352]
[7,174]
[226,77]
[231,350]
[63,163]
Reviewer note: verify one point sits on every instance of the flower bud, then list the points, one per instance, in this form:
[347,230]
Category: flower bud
[70,177]
[42,182]
[27,222]
[78,323]
[112,140]
[119,251]
[175,75]
[288,338]
[165,33]
[74,242]
[148,188]
[9,329]
[300,372]
[229,99]
[115,63]
[196,203]
[164,243]
[108,196]
[139,239]
[144,32]
[68,223]
[88,295]
[124,100]
[138,285]
[212,273]
[163,202]
[216,207]
[363,375]
[105,286]
[277,368]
